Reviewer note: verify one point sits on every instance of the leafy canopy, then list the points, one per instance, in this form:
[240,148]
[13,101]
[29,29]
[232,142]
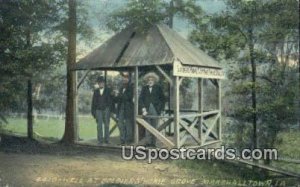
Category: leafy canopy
[142,14]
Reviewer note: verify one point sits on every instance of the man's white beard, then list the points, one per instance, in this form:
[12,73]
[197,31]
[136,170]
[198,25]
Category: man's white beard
[150,84]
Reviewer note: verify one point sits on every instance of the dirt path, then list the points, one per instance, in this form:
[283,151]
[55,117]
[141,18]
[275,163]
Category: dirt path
[21,169]
[30,163]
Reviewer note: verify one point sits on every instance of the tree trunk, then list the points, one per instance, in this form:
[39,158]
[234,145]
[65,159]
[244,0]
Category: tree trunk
[253,89]
[253,77]
[29,110]
[298,112]
[69,134]
[170,23]
[29,92]
[171,14]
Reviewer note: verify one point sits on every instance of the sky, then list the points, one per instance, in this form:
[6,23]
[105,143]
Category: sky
[100,9]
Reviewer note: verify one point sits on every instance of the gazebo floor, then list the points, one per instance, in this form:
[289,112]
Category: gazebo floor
[114,142]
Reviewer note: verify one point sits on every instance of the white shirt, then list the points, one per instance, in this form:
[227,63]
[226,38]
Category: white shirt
[150,89]
[101,90]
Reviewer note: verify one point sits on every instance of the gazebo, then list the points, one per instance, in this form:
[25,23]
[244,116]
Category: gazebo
[175,59]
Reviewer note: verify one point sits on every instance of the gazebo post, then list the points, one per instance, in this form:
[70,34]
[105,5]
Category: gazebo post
[200,107]
[169,106]
[136,84]
[76,118]
[176,112]
[170,86]
[220,109]
[105,77]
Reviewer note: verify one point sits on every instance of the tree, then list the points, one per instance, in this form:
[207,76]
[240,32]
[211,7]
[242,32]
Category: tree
[251,35]
[298,102]
[69,135]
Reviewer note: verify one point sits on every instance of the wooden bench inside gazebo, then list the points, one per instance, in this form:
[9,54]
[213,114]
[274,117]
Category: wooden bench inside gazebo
[175,59]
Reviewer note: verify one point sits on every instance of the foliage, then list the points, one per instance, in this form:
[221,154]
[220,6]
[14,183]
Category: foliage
[142,14]
[33,46]
[23,51]
[269,28]
[151,11]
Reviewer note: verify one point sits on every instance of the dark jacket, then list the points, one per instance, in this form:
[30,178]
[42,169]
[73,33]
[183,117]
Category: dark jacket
[101,102]
[156,97]
[125,99]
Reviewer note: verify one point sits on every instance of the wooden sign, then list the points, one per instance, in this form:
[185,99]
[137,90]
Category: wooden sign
[196,71]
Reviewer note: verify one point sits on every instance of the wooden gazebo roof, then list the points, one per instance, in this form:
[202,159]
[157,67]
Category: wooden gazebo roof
[160,45]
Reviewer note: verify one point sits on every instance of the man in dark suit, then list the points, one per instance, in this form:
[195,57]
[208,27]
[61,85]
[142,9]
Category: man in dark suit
[152,103]
[101,104]
[125,112]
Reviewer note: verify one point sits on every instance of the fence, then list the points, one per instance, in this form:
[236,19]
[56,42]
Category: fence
[44,116]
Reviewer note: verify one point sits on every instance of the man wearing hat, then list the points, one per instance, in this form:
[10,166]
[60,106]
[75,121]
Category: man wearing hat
[152,103]
[101,104]
[125,112]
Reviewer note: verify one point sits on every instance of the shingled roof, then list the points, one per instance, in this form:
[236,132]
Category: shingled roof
[160,45]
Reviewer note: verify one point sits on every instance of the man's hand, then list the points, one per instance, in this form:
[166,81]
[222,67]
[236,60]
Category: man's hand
[116,93]
[94,115]
[144,111]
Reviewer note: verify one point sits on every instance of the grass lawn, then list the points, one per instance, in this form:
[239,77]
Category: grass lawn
[54,128]
[288,147]
[288,144]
